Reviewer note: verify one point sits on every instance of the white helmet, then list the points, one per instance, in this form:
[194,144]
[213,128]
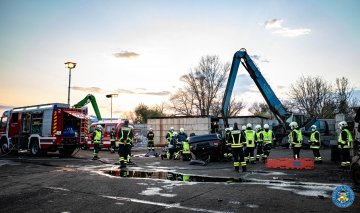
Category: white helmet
[257,127]
[231,129]
[175,134]
[342,124]
[99,126]
[151,129]
[313,127]
[182,130]
[172,129]
[248,125]
[293,125]
[266,126]
[243,127]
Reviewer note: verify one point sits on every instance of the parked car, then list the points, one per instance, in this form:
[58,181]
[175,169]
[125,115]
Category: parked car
[203,147]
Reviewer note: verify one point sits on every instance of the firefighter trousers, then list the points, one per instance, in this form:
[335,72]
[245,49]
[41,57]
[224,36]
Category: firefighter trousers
[123,154]
[112,146]
[296,152]
[267,148]
[96,150]
[259,151]
[345,157]
[239,153]
[151,145]
[249,154]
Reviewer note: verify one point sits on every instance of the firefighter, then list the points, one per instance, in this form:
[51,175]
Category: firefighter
[226,144]
[150,137]
[315,144]
[259,142]
[268,138]
[96,140]
[112,140]
[125,136]
[173,148]
[169,136]
[296,139]
[237,148]
[250,138]
[344,144]
[182,136]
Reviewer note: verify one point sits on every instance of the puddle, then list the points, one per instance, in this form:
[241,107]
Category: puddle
[166,175]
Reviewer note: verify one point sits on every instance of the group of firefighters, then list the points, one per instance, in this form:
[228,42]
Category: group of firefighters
[176,145]
[239,145]
[125,138]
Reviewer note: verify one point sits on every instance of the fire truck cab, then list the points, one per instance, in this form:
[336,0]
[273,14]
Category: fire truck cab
[43,128]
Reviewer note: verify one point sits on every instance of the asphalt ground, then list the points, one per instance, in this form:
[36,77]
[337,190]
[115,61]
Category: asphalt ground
[79,184]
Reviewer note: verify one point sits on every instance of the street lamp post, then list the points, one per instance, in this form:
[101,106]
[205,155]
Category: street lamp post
[70,66]
[111,96]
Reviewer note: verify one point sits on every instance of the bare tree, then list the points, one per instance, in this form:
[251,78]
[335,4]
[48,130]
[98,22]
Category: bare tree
[205,81]
[313,96]
[182,103]
[343,93]
[234,109]
[261,109]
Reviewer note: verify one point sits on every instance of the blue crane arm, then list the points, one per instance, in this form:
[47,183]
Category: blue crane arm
[271,99]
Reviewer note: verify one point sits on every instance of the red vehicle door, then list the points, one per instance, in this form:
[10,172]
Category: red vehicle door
[15,124]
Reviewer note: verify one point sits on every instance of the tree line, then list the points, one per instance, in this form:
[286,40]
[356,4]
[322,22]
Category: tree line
[204,87]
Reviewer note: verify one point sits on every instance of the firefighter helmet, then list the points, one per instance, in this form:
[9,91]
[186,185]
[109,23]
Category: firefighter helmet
[243,127]
[266,126]
[248,125]
[293,125]
[313,127]
[342,124]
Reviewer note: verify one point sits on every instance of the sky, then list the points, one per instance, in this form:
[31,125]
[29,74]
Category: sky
[140,49]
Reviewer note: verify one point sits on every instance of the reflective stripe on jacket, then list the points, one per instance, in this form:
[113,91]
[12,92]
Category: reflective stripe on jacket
[235,136]
[345,142]
[299,139]
[315,143]
[267,136]
[250,138]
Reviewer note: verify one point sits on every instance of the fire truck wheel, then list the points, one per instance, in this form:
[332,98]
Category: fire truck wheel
[4,147]
[34,148]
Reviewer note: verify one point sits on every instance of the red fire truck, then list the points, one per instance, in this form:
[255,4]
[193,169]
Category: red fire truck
[44,128]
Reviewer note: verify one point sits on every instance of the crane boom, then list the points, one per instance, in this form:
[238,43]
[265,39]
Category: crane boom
[271,99]
[90,98]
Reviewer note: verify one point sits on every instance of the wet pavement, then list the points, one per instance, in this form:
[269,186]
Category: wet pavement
[79,184]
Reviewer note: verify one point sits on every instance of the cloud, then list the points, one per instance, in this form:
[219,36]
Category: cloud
[280,87]
[286,32]
[126,54]
[5,107]
[125,91]
[275,26]
[161,93]
[141,91]
[259,58]
[244,84]
[87,89]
